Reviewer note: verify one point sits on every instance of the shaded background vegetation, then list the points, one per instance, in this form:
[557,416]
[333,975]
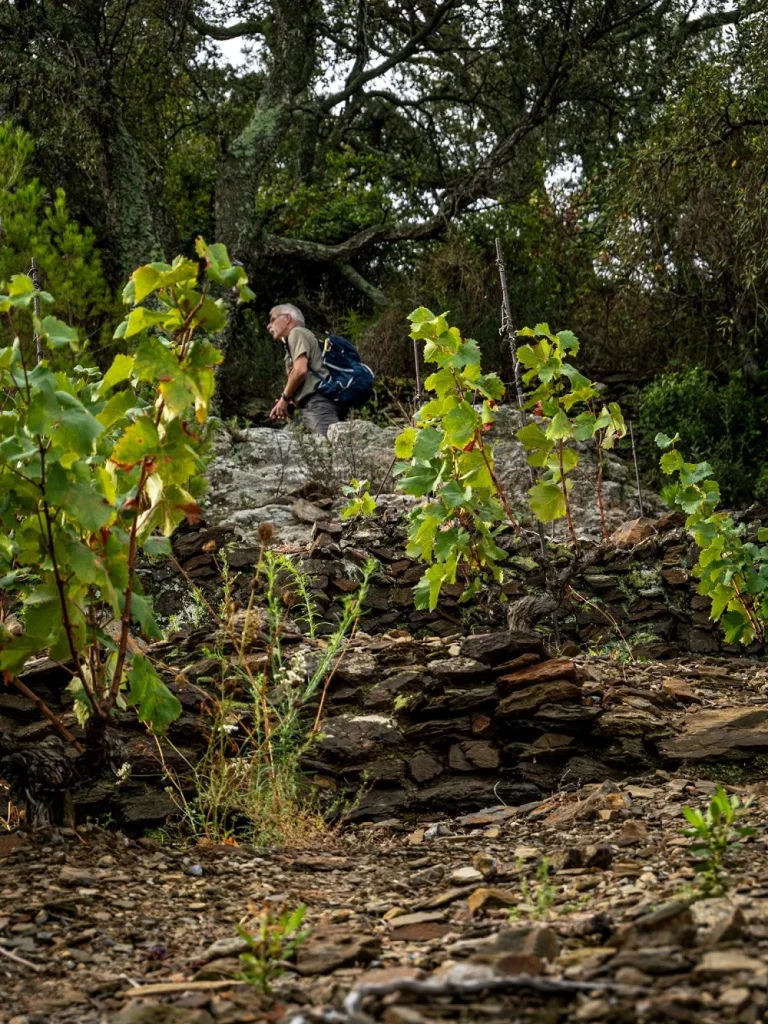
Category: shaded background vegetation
[362,156]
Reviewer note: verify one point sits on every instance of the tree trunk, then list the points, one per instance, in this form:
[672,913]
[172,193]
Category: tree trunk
[292,42]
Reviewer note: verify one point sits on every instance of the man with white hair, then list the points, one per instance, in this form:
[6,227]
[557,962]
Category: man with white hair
[305,369]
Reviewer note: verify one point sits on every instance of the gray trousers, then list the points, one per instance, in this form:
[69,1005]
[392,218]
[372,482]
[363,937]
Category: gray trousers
[318,413]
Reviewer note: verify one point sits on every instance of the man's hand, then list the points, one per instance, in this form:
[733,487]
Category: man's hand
[280,410]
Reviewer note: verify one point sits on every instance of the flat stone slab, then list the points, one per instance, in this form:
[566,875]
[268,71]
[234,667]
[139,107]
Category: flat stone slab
[718,733]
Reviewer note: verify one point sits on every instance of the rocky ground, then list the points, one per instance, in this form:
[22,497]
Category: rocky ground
[570,897]
[576,907]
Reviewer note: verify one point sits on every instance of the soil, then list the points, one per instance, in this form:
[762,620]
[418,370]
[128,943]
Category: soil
[581,906]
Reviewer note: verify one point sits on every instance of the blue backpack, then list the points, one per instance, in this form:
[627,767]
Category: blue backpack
[349,380]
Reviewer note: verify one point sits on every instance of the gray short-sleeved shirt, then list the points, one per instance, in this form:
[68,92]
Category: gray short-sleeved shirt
[302,342]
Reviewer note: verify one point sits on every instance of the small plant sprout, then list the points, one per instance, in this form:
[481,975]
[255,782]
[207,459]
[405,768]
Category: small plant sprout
[717,834]
[541,898]
[273,940]
[362,504]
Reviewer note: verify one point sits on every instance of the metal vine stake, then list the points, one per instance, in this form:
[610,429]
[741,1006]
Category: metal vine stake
[507,330]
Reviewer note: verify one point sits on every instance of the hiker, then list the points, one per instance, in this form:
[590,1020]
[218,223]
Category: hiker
[324,381]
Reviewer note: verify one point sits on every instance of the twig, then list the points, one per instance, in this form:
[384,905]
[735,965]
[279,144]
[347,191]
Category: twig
[198,592]
[637,471]
[166,988]
[606,615]
[20,960]
[564,483]
[500,491]
[45,710]
[328,681]
[548,986]
[386,477]
[599,484]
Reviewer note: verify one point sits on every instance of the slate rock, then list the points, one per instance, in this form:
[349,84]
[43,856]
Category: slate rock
[357,666]
[722,963]
[330,947]
[229,946]
[556,668]
[457,668]
[670,925]
[354,737]
[532,697]
[424,766]
[383,694]
[84,877]
[494,648]
[719,733]
[149,808]
[139,1012]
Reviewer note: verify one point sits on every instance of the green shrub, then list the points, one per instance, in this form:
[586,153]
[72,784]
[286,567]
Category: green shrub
[34,223]
[722,422]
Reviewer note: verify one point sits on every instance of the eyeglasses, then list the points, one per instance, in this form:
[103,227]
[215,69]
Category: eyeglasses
[272,319]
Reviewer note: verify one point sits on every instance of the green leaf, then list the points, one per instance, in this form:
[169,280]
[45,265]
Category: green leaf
[140,319]
[154,546]
[58,333]
[404,443]
[82,500]
[736,627]
[578,381]
[454,495]
[145,281]
[560,427]
[141,612]
[490,385]
[139,440]
[694,473]
[220,269]
[664,442]
[154,360]
[547,502]
[427,591]
[64,420]
[19,649]
[154,702]
[671,461]
[211,316]
[421,315]
[468,354]
[117,408]
[427,444]
[584,425]
[568,342]
[120,370]
[419,480]
[532,436]
[447,542]
[85,563]
[460,425]
[694,818]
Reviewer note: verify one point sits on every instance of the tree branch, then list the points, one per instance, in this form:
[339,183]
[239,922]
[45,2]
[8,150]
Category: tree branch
[706,22]
[439,15]
[376,295]
[224,32]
